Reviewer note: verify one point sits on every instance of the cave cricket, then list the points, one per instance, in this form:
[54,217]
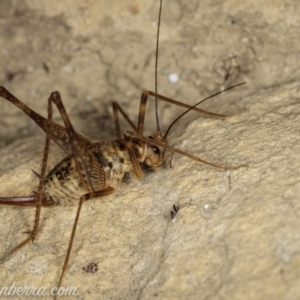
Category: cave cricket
[97,169]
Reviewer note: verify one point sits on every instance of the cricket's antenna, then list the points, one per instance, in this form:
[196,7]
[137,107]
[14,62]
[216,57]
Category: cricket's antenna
[156,61]
[209,97]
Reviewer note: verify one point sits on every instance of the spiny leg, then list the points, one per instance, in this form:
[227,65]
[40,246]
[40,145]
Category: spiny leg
[41,193]
[83,198]
[143,102]
[89,168]
[26,201]
[116,107]
[59,134]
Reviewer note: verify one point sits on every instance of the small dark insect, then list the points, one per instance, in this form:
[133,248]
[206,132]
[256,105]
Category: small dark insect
[174,210]
[91,268]
[92,170]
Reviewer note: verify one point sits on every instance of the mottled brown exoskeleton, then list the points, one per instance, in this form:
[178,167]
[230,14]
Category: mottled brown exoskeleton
[92,170]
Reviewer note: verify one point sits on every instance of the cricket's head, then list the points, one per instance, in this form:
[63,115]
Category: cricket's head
[157,145]
[155,154]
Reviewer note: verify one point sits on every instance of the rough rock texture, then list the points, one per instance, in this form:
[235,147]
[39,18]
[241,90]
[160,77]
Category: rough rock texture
[236,234]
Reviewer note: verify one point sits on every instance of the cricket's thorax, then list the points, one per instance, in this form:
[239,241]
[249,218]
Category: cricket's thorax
[116,159]
[63,183]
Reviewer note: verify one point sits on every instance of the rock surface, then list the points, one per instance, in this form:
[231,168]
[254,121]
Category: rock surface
[236,234]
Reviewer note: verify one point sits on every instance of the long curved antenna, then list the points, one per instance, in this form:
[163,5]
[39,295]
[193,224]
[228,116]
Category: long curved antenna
[192,107]
[156,63]
[163,145]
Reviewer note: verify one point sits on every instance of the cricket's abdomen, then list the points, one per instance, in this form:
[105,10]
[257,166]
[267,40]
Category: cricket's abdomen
[63,183]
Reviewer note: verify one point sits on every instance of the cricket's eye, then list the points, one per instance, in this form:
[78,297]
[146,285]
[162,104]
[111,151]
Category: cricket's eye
[155,149]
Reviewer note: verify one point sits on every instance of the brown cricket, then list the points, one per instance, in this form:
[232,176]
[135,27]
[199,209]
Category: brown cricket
[92,170]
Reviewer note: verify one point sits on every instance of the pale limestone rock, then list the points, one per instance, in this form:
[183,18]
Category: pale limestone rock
[236,234]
